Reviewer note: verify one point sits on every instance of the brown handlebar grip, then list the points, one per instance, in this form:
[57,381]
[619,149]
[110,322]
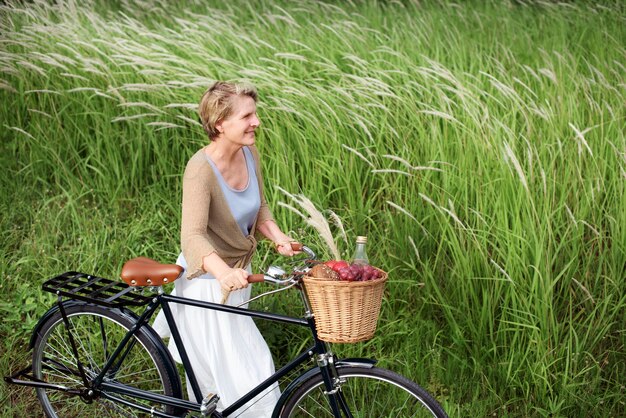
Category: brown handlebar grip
[256,278]
[296,246]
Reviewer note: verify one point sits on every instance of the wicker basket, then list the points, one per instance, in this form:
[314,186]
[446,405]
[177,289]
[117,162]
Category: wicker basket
[345,312]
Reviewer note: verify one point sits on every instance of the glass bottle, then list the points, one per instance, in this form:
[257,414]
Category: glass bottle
[360,255]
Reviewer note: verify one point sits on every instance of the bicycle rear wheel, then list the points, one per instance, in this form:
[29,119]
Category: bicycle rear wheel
[97,331]
[371,392]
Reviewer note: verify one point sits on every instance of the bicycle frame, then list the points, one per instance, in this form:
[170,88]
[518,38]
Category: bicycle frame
[318,350]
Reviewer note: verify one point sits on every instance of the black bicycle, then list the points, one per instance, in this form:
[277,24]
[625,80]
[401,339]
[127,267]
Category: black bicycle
[93,356]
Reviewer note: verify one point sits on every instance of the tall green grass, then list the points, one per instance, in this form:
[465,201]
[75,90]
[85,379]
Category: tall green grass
[480,146]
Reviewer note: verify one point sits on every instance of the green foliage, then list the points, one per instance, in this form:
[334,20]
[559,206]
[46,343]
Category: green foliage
[480,146]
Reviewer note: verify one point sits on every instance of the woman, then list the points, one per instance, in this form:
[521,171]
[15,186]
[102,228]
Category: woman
[223,209]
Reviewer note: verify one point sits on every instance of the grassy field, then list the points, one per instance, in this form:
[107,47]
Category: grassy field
[481,146]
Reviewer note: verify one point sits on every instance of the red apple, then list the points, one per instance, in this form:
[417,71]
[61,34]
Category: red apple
[337,264]
[331,263]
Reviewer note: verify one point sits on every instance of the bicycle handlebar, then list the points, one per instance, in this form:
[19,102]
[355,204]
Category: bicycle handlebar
[296,246]
[256,278]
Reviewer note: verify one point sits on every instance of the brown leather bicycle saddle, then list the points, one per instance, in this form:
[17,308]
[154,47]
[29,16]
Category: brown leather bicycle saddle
[143,271]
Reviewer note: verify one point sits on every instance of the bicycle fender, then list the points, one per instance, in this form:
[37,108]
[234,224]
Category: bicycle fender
[348,362]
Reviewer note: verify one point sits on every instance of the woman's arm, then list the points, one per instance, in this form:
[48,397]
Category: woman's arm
[194,239]
[229,278]
[282,241]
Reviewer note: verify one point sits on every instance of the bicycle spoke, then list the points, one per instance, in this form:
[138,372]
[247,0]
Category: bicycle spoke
[319,404]
[63,380]
[67,349]
[306,412]
[62,342]
[61,368]
[85,355]
[110,406]
[71,360]
[74,376]
[139,373]
[325,406]
[57,366]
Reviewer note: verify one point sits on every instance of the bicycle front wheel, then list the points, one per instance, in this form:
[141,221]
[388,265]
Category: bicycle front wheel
[97,331]
[365,393]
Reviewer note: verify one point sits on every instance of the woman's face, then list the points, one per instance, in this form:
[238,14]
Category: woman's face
[239,127]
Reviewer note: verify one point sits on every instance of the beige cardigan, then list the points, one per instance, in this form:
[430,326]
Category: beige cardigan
[207,223]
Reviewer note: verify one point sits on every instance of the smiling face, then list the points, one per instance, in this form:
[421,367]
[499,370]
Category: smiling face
[221,103]
[239,127]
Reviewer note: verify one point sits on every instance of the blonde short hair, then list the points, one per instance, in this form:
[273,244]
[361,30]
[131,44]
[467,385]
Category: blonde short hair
[216,104]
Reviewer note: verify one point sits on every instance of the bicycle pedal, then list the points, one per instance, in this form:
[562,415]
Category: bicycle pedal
[209,404]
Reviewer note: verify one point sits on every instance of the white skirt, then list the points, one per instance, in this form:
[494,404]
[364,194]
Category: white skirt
[227,352]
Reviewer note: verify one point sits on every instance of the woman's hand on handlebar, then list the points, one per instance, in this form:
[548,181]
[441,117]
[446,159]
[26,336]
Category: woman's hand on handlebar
[283,243]
[233,279]
[288,248]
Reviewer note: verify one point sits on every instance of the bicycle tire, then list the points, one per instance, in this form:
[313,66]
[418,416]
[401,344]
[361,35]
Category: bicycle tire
[368,392]
[97,331]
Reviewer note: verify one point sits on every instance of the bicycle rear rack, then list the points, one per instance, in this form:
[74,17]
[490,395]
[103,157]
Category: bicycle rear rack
[88,288]
[93,289]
